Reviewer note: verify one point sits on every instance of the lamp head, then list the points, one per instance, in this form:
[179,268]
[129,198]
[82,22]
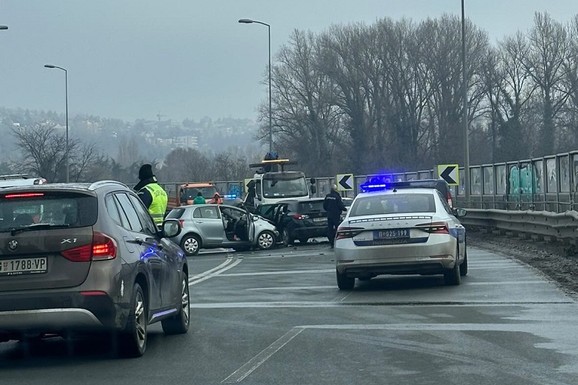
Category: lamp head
[245,21]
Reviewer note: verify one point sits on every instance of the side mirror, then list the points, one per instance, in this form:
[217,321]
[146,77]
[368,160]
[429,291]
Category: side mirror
[459,212]
[171,228]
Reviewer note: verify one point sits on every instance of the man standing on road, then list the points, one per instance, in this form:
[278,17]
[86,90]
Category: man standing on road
[151,193]
[334,206]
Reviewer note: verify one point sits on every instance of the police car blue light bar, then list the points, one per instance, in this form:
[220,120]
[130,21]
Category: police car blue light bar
[369,187]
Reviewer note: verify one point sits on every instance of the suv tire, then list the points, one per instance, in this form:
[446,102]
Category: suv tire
[179,323]
[132,341]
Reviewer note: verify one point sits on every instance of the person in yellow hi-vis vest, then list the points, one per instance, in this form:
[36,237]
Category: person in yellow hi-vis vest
[151,193]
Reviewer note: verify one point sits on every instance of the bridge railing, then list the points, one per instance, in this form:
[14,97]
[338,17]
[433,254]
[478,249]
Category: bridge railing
[543,225]
[548,183]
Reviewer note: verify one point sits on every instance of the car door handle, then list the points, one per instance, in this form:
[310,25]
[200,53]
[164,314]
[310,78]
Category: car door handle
[148,241]
[137,241]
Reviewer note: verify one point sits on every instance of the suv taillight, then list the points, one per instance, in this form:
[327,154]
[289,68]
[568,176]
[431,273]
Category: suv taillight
[450,201]
[102,247]
[299,216]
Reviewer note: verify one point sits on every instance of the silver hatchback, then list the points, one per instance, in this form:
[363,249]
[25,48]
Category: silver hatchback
[213,226]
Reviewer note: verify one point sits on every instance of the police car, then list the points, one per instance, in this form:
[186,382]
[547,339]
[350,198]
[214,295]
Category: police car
[400,231]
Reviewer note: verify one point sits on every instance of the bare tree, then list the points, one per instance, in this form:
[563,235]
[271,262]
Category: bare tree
[345,49]
[82,167]
[43,150]
[228,166]
[509,89]
[546,63]
[404,92]
[185,164]
[307,121]
[569,124]
[44,153]
[442,59]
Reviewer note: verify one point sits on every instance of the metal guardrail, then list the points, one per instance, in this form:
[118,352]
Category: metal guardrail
[536,224]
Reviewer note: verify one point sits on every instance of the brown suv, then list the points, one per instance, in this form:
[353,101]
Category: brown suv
[88,258]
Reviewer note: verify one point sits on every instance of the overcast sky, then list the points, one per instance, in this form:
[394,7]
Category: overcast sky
[132,59]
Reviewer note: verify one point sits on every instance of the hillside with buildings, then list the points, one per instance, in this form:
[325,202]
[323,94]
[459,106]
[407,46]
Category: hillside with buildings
[129,142]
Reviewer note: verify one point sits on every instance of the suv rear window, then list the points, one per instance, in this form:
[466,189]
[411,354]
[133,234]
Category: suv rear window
[50,208]
[310,206]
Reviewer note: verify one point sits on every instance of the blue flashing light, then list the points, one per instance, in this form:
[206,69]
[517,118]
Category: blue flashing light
[377,183]
[230,196]
[369,187]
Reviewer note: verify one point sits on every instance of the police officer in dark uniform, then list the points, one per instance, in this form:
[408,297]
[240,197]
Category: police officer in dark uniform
[334,206]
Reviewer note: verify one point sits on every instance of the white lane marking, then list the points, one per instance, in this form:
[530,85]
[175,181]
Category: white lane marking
[320,304]
[251,365]
[278,272]
[346,296]
[493,263]
[490,267]
[254,363]
[505,283]
[229,263]
[284,256]
[291,288]
[429,327]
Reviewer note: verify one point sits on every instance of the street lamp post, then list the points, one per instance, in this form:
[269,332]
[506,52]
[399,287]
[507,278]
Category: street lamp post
[465,107]
[66,117]
[250,21]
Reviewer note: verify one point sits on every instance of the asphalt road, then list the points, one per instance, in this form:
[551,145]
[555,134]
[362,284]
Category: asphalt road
[277,317]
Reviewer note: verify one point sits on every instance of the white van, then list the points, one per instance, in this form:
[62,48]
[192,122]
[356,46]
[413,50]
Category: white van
[19,180]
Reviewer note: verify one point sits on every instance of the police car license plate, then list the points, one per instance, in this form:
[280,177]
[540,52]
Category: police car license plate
[391,234]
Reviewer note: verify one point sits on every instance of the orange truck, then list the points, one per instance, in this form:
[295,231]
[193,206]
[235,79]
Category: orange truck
[184,193]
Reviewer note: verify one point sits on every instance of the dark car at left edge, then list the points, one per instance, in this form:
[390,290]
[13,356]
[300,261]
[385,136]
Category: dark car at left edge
[88,258]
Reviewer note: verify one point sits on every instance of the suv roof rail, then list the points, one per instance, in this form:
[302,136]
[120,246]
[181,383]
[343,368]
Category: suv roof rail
[105,182]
